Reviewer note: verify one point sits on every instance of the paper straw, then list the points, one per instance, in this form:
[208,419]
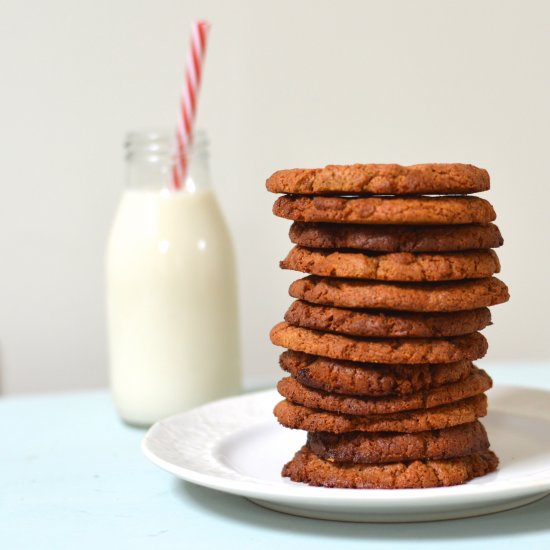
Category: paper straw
[188,101]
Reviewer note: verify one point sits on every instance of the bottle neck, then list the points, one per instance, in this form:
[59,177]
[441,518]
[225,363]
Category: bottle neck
[152,155]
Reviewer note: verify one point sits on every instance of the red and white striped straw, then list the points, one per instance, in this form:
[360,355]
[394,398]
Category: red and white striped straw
[188,102]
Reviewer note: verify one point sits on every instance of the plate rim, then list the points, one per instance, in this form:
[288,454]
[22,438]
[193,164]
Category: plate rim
[300,493]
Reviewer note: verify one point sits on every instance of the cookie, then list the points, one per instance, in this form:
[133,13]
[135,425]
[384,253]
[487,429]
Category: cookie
[384,324]
[349,378]
[478,382]
[386,210]
[446,296]
[381,179]
[298,417]
[390,350]
[307,467]
[396,266]
[396,238]
[365,448]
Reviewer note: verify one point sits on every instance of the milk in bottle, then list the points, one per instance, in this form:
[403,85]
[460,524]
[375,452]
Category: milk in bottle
[171,288]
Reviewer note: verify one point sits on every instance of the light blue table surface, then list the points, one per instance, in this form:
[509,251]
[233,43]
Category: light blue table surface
[72,476]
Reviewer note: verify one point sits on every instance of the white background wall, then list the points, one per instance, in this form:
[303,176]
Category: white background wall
[288,83]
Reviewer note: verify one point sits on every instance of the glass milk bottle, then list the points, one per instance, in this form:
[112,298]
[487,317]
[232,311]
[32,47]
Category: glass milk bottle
[171,288]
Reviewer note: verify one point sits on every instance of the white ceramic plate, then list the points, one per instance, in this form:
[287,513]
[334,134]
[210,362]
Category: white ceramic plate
[235,445]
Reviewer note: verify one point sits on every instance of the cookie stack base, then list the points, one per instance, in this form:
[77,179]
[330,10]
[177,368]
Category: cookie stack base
[308,468]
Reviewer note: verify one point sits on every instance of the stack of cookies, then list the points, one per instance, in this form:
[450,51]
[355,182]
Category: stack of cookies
[382,335]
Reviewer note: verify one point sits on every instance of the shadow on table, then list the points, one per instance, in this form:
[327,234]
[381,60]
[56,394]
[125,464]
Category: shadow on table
[531,518]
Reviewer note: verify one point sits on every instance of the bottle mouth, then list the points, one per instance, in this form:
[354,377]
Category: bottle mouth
[161,143]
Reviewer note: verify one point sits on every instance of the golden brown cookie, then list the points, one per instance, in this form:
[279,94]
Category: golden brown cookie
[386,210]
[386,324]
[397,266]
[396,238]
[477,383]
[387,350]
[376,448]
[446,296]
[298,417]
[350,378]
[381,179]
[306,467]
